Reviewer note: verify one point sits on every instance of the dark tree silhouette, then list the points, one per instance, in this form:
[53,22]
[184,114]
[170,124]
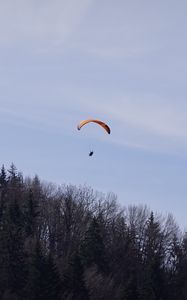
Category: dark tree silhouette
[72,243]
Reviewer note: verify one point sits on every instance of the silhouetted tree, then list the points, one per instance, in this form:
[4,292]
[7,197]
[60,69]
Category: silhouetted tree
[12,263]
[92,248]
[73,280]
[72,243]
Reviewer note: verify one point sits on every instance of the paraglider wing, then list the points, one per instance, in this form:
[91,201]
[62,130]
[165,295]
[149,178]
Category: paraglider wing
[84,122]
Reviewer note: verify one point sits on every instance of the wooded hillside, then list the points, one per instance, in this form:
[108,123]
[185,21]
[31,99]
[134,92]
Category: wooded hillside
[74,243]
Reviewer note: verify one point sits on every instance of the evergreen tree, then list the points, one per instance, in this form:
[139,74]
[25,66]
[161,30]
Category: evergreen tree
[92,248]
[171,270]
[31,214]
[3,191]
[35,288]
[12,177]
[53,283]
[12,263]
[153,272]
[131,266]
[181,271]
[73,280]
[3,177]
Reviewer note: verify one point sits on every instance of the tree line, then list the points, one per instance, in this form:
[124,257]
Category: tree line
[73,243]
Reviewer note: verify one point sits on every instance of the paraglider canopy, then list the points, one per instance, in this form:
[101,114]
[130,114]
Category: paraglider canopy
[102,124]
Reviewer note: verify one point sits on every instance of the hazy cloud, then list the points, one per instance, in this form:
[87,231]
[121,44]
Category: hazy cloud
[40,24]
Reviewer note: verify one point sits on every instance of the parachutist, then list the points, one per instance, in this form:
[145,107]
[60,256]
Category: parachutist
[102,124]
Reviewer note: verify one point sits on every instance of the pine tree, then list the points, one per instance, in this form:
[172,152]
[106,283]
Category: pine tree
[3,191]
[3,177]
[181,271]
[31,215]
[131,266]
[53,284]
[12,263]
[12,178]
[73,280]
[35,288]
[153,271]
[93,249]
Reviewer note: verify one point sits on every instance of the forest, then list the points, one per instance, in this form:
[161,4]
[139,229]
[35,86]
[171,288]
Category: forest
[73,243]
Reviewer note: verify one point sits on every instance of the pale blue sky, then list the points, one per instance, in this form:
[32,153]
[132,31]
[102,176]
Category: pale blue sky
[121,61]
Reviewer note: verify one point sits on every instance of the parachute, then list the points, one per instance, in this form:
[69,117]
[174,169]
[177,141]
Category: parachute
[102,124]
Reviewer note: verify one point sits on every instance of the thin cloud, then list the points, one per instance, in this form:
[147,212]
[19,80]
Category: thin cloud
[140,121]
[42,24]
[149,112]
